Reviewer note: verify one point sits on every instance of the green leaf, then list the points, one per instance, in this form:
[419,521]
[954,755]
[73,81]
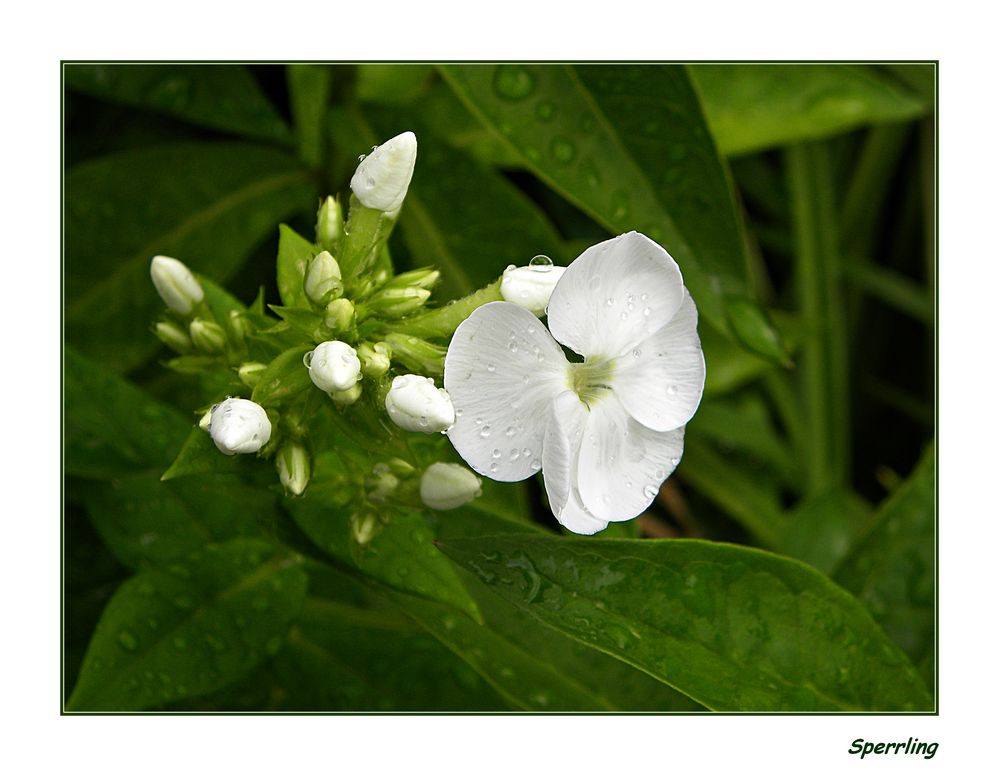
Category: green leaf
[732,627]
[199,455]
[340,657]
[822,529]
[892,569]
[629,146]
[111,425]
[401,555]
[309,91]
[143,520]
[224,97]
[285,377]
[207,204]
[470,239]
[190,629]
[294,255]
[391,83]
[756,106]
[525,682]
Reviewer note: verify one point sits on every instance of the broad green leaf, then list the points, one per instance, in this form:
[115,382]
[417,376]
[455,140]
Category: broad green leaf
[391,84]
[516,674]
[207,204]
[733,628]
[294,255]
[893,569]
[223,97]
[627,144]
[754,106]
[348,658]
[470,239]
[309,92]
[143,520]
[822,529]
[401,555]
[111,426]
[191,628]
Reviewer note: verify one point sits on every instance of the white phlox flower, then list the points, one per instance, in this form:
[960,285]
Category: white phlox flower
[607,431]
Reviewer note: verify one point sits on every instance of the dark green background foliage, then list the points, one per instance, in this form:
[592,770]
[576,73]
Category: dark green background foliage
[789,564]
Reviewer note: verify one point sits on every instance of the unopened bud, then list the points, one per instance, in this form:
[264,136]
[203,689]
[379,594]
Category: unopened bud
[348,396]
[322,282]
[239,426]
[400,468]
[416,353]
[375,359]
[382,178]
[448,486]
[531,286]
[240,324]
[294,467]
[175,284]
[417,278]
[329,223]
[208,336]
[397,302]
[339,315]
[415,404]
[250,372]
[205,424]
[333,366]
[174,336]
[364,526]
[381,483]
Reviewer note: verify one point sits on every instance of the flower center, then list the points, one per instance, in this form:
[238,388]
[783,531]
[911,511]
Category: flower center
[591,380]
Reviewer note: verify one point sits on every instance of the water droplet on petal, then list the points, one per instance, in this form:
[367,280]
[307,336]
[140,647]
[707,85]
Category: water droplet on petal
[674,461]
[513,347]
[536,464]
[541,263]
[671,390]
[514,454]
[484,432]
[650,492]
[490,367]
[510,431]
[609,301]
[497,453]
[637,352]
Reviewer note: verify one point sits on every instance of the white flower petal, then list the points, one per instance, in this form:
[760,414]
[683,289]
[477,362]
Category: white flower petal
[562,442]
[614,295]
[622,463]
[502,371]
[660,381]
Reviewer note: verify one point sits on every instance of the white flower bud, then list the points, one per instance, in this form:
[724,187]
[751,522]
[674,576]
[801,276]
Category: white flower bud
[448,486]
[323,282]
[333,366]
[383,177]
[208,336]
[375,359]
[531,286]
[239,426]
[175,284]
[294,467]
[250,372]
[174,336]
[415,404]
[329,223]
[340,315]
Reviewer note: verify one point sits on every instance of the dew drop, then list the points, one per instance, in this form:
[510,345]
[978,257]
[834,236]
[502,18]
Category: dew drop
[526,452]
[545,110]
[513,82]
[624,315]
[647,312]
[513,347]
[644,297]
[609,301]
[649,492]
[490,367]
[563,150]
[423,420]
[484,432]
[128,641]
[497,453]
[361,158]
[671,390]
[526,379]
[494,467]
[514,453]
[660,474]
[306,360]
[540,263]
[637,353]
[536,465]
[674,461]
[510,431]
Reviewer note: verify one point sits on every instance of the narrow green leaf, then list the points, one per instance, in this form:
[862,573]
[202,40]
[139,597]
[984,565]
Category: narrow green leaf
[190,629]
[143,520]
[224,97]
[199,455]
[309,91]
[111,425]
[732,627]
[294,255]
[285,377]
[756,106]
[627,144]
[207,204]
[893,569]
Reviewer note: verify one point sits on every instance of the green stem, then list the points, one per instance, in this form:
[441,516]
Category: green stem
[824,363]
[441,322]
